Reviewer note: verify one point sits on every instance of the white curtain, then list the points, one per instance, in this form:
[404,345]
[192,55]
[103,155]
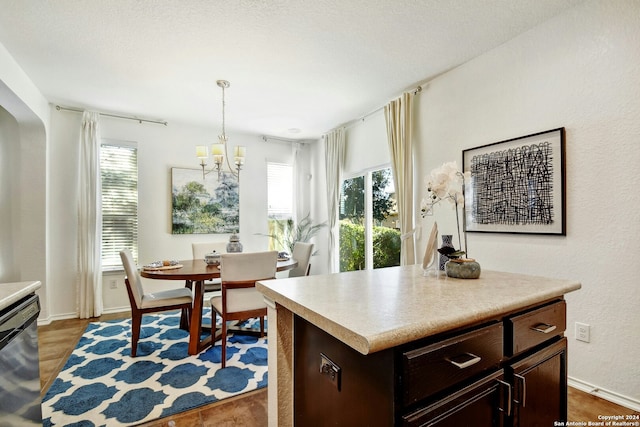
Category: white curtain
[300,190]
[398,118]
[334,161]
[89,285]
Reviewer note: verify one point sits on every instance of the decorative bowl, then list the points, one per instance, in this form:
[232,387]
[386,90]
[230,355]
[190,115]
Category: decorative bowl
[212,258]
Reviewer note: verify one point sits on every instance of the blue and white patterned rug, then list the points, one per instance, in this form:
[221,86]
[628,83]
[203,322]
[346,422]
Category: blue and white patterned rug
[101,385]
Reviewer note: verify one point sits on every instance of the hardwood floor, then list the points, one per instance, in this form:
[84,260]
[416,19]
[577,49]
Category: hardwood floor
[57,341]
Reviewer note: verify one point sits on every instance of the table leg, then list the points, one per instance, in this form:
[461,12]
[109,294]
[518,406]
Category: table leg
[184,320]
[195,325]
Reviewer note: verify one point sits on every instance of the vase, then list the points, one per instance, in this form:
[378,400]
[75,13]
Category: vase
[446,243]
[430,263]
[463,268]
[234,245]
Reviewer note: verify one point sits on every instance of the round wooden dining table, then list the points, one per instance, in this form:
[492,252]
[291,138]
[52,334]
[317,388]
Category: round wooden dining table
[194,272]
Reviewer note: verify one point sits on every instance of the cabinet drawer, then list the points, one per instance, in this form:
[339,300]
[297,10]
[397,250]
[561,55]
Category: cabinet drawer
[435,367]
[534,327]
[478,404]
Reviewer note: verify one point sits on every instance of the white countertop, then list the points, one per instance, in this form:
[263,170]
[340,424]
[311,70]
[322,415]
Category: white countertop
[373,310]
[12,292]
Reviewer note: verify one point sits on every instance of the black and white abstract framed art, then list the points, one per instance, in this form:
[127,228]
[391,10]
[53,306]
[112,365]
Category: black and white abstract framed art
[517,185]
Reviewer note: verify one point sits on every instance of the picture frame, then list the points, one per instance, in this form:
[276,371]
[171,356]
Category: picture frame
[204,204]
[517,185]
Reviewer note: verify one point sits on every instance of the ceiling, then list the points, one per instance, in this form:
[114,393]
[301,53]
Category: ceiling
[297,68]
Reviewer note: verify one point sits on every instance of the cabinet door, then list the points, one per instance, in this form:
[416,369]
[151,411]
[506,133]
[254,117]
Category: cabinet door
[483,403]
[337,386]
[540,386]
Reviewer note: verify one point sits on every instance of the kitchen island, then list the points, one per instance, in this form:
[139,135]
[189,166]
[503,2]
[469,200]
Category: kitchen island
[364,344]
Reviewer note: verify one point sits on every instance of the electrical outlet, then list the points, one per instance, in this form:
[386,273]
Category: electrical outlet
[113,284]
[583,332]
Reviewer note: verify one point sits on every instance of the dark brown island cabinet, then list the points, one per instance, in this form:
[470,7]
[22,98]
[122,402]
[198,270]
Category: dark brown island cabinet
[393,348]
[508,371]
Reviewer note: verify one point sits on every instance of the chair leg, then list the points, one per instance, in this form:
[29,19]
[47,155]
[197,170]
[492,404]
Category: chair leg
[136,323]
[214,319]
[261,326]
[223,343]
[185,318]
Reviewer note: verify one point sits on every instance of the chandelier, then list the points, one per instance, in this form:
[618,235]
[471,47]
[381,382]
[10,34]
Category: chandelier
[219,149]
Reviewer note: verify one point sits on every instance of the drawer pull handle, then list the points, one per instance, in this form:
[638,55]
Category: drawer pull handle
[465,360]
[508,386]
[544,328]
[524,390]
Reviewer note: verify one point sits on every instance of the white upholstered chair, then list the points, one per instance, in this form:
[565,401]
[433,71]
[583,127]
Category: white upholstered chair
[240,300]
[199,250]
[154,302]
[302,254]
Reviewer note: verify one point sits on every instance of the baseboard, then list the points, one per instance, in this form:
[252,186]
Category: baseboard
[611,396]
[65,316]
[117,310]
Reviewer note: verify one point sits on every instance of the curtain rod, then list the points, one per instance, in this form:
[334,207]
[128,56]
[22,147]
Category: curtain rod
[139,120]
[350,123]
[267,138]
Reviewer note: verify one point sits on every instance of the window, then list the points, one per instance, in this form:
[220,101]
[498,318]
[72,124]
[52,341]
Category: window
[369,236]
[280,204]
[119,173]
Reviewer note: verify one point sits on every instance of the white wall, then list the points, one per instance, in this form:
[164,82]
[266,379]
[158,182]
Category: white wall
[24,195]
[9,196]
[159,149]
[579,70]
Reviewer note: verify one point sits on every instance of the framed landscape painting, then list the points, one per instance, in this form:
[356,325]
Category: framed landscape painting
[517,185]
[204,205]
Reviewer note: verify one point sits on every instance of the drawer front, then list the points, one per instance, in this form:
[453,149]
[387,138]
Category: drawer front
[529,329]
[480,404]
[430,369]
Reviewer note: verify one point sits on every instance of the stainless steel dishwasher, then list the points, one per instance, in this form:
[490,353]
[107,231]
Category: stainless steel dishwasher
[19,364]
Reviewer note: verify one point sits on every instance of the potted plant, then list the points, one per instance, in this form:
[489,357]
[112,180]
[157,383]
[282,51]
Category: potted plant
[286,232]
[448,183]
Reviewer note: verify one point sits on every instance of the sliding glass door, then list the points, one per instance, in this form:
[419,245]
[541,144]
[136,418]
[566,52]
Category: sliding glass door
[369,234]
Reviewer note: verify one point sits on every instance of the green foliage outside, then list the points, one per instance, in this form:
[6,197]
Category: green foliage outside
[352,253]
[386,246]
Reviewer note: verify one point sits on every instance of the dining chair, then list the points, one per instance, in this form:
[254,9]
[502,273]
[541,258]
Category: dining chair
[142,302]
[301,253]
[240,300]
[199,250]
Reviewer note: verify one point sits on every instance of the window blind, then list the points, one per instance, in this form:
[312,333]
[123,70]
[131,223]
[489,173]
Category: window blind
[119,173]
[279,191]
